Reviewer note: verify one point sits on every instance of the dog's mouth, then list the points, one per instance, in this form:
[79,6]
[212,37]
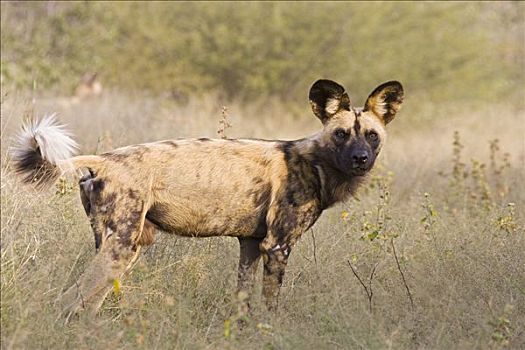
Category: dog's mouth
[359,171]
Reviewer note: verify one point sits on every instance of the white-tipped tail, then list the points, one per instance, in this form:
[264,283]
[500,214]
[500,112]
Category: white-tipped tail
[40,150]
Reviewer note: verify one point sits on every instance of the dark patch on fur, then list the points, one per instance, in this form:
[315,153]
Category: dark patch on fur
[147,236]
[34,169]
[357,127]
[323,90]
[98,185]
[261,197]
[392,95]
[344,103]
[115,254]
[104,214]
[275,264]
[84,185]
[286,147]
[135,152]
[98,240]
[133,194]
[203,139]
[373,143]
[112,225]
[335,179]
[267,269]
[265,162]
[302,187]
[115,157]
[87,196]
[157,215]
[303,183]
[262,229]
[169,143]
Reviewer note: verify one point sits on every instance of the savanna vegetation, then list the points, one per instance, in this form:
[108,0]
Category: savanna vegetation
[428,256]
[452,51]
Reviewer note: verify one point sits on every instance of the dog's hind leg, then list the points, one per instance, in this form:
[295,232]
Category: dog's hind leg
[250,255]
[118,217]
[97,281]
[98,298]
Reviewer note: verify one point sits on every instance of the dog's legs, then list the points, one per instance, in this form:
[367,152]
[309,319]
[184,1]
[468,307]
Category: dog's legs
[119,219]
[110,263]
[275,258]
[249,258]
[286,224]
[98,298]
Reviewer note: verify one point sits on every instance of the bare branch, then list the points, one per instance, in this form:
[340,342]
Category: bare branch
[368,292]
[315,247]
[402,274]
[370,281]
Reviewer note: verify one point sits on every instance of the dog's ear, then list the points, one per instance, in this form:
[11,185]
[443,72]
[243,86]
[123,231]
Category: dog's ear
[385,101]
[327,98]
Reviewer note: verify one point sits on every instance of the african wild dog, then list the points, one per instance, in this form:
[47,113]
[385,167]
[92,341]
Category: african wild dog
[265,193]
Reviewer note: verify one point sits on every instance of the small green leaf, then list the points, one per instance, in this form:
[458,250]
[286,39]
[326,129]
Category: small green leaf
[373,235]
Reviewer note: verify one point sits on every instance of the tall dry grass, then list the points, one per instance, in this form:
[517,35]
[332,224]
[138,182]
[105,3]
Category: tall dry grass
[458,242]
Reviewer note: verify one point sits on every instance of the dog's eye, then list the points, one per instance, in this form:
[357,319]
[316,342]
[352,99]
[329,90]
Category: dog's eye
[341,134]
[372,136]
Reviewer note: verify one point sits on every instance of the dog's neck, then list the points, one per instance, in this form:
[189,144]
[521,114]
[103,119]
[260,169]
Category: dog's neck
[335,186]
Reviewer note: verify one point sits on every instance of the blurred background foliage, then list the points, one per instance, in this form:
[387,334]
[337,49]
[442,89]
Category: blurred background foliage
[457,51]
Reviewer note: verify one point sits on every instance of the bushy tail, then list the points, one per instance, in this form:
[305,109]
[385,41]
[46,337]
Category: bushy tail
[42,150]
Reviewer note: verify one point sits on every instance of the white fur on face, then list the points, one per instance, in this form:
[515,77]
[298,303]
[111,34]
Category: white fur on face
[344,120]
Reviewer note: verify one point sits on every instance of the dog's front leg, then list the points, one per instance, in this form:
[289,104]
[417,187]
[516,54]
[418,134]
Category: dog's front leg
[286,223]
[275,255]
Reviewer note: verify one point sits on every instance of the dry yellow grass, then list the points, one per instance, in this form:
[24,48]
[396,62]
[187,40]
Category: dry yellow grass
[461,252]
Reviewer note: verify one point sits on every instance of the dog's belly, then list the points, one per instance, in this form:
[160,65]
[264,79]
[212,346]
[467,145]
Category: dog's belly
[202,219]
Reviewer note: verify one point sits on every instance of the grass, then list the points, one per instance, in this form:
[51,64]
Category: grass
[457,227]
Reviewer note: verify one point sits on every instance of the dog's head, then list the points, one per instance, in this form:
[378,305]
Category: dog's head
[352,137]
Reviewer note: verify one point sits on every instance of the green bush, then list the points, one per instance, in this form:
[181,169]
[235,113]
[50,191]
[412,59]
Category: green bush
[442,51]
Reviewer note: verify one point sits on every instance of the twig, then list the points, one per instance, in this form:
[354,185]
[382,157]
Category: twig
[71,270]
[368,291]
[80,294]
[209,326]
[371,278]
[315,247]
[402,274]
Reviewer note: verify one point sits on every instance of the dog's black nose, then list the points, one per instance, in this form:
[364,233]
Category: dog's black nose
[360,158]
